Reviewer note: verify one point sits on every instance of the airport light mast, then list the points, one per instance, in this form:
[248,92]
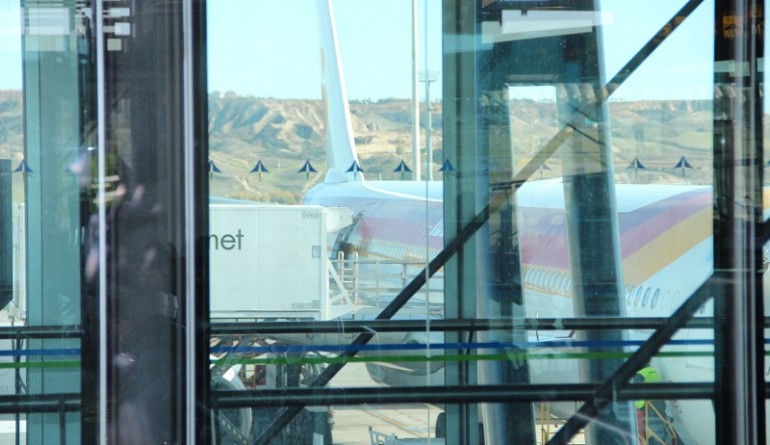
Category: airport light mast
[428,77]
[415,100]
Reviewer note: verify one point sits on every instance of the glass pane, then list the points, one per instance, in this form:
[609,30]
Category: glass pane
[91,223]
[625,215]
[318,209]
[44,119]
[569,220]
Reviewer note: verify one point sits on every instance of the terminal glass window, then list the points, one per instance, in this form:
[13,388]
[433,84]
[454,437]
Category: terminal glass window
[519,229]
[382,222]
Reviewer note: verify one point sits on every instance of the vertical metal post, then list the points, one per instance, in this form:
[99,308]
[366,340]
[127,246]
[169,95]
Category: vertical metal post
[589,196]
[62,423]
[738,169]
[17,385]
[428,77]
[428,130]
[6,234]
[428,123]
[590,205]
[415,98]
[101,286]
[462,201]
[501,295]
[150,248]
[54,120]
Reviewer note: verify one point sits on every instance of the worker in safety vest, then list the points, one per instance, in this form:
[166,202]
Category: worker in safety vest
[652,417]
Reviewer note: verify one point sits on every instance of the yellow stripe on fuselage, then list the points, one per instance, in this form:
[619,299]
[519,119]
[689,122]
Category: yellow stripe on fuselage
[669,246]
[765,198]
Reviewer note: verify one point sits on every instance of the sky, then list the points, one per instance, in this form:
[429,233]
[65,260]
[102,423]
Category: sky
[267,50]
[10,45]
[262,48]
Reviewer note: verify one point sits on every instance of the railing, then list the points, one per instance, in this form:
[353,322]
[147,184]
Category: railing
[545,422]
[661,426]
[374,282]
[21,404]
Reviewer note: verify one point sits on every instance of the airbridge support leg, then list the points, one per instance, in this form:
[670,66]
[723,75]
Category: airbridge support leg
[592,226]
[6,231]
[501,296]
[568,66]
[461,204]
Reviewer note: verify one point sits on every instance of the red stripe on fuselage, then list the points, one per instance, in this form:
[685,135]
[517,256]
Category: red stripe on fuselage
[542,232]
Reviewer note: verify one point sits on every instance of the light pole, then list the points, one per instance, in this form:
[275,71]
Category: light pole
[415,100]
[428,77]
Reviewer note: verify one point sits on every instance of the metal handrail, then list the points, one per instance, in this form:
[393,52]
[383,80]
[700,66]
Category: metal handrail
[649,433]
[374,281]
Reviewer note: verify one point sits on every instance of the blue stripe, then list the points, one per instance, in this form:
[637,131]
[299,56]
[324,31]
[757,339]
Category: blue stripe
[423,346]
[39,352]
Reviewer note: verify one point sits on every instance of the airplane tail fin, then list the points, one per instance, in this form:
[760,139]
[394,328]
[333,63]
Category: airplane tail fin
[340,147]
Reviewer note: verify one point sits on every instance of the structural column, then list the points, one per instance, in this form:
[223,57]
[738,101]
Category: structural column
[738,169]
[461,203]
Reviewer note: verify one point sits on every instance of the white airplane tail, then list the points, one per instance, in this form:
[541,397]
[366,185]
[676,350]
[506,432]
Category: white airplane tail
[340,147]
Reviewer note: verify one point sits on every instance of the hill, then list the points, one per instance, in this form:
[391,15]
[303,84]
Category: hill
[284,133]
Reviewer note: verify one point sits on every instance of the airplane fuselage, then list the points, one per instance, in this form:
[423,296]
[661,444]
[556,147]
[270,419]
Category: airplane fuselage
[666,253]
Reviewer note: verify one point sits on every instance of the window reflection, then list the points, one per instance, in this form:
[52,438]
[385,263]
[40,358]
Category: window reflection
[580,193]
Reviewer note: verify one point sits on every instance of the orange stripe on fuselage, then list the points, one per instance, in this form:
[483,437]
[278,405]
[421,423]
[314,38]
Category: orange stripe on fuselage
[765,198]
[667,247]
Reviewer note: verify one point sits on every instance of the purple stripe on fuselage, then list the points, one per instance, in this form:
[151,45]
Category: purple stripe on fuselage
[542,231]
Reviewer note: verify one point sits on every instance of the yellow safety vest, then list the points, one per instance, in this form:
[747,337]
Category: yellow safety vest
[650,375]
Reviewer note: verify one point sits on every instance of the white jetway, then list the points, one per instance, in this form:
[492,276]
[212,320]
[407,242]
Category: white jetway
[272,261]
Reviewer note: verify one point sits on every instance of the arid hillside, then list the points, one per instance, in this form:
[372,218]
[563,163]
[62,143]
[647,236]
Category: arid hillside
[283,134]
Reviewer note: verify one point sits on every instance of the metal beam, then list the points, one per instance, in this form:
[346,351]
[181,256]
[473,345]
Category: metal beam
[439,395]
[39,403]
[40,332]
[448,325]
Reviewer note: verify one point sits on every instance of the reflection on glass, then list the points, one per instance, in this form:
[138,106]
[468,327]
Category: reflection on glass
[55,267]
[43,110]
[571,216]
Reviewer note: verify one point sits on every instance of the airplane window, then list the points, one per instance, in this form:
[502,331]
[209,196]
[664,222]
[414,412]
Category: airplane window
[538,274]
[646,297]
[627,291]
[675,301]
[544,281]
[638,296]
[568,285]
[666,299]
[655,299]
[630,295]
